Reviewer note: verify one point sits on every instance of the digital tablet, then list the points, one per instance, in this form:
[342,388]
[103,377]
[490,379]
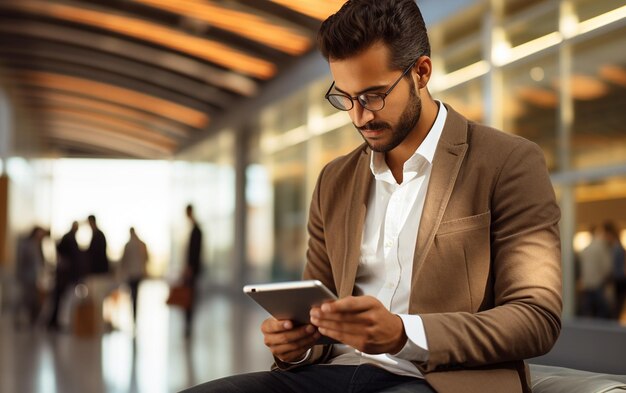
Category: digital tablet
[291,300]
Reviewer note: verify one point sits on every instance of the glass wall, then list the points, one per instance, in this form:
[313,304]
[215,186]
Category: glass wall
[205,178]
[598,87]
[551,71]
[466,99]
[531,102]
[292,155]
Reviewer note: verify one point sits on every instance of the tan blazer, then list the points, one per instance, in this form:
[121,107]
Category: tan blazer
[486,273]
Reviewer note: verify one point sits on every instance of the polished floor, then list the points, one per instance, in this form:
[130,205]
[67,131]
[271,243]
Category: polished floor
[156,358]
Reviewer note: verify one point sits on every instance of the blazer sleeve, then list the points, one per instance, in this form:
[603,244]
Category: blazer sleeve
[318,265]
[524,321]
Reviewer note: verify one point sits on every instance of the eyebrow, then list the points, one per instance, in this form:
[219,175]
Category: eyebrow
[366,90]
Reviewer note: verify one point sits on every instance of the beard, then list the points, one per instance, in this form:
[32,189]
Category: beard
[407,122]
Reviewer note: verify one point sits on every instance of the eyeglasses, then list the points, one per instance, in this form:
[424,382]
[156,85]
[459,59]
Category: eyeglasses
[370,101]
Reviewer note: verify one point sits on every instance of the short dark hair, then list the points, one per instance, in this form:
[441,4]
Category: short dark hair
[361,23]
[611,229]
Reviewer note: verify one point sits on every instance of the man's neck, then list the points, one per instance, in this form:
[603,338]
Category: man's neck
[396,158]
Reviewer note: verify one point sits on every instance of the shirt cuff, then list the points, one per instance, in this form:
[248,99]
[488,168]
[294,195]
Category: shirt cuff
[304,359]
[416,347]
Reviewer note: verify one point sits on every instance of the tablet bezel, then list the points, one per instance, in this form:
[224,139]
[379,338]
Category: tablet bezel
[291,300]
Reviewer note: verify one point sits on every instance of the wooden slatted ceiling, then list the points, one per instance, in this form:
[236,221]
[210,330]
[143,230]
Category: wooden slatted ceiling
[288,39]
[318,9]
[139,78]
[206,49]
[116,95]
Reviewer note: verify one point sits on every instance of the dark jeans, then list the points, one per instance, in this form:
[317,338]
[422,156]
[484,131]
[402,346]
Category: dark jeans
[61,286]
[189,312]
[620,296]
[133,285]
[594,304]
[316,379]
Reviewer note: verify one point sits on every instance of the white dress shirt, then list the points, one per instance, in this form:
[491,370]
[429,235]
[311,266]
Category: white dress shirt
[393,216]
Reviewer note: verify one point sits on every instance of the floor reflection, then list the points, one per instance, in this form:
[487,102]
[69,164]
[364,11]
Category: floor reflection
[153,358]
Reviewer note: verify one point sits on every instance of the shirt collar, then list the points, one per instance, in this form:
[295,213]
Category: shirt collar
[426,149]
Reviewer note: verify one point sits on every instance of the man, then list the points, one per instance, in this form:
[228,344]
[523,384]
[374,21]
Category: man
[30,262]
[97,251]
[618,255]
[192,266]
[438,235]
[596,264]
[68,271]
[133,267]
[99,282]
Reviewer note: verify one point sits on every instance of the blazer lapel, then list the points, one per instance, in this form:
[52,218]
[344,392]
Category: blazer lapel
[355,219]
[448,157]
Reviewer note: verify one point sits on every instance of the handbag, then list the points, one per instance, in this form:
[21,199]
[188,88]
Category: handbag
[180,296]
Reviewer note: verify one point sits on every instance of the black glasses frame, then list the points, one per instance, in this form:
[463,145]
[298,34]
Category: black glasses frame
[362,98]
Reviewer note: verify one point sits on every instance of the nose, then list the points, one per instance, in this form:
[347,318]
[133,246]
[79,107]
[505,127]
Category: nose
[360,116]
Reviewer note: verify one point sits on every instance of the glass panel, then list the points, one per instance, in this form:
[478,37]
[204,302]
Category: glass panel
[268,120]
[463,56]
[532,27]
[587,9]
[531,103]
[456,30]
[596,204]
[512,7]
[288,114]
[259,200]
[460,39]
[337,143]
[599,92]
[290,211]
[207,180]
[259,205]
[466,99]
[293,112]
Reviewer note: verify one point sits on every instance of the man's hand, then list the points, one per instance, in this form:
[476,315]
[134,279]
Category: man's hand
[287,343]
[361,322]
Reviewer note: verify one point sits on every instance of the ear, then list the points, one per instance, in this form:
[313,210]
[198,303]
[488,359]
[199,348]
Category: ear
[423,69]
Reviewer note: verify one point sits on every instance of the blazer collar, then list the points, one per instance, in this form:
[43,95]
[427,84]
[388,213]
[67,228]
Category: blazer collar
[355,219]
[446,164]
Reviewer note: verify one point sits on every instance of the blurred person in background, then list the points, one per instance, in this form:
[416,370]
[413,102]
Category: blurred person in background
[619,266]
[596,266]
[447,270]
[97,251]
[69,271]
[99,282]
[30,262]
[133,267]
[192,268]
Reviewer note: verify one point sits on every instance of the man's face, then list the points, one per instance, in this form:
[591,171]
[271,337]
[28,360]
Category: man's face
[367,72]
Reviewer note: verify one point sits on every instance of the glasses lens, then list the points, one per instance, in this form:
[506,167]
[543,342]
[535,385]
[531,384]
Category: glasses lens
[340,101]
[373,102]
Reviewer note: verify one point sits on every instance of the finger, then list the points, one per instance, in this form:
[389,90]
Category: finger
[301,345]
[362,317]
[289,336]
[341,324]
[350,304]
[295,349]
[347,337]
[272,325]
